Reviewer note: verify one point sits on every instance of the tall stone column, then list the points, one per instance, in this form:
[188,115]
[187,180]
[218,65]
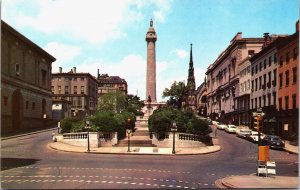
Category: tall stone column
[151,63]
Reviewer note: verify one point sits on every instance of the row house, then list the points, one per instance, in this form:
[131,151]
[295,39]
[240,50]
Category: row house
[243,99]
[77,89]
[288,87]
[264,80]
[223,78]
[25,82]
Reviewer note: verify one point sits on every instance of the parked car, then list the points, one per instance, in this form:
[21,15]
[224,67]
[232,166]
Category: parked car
[253,136]
[221,126]
[273,141]
[243,133]
[230,129]
[215,122]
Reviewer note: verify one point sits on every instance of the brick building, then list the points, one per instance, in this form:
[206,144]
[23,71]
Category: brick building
[78,88]
[111,84]
[288,86]
[25,82]
[223,78]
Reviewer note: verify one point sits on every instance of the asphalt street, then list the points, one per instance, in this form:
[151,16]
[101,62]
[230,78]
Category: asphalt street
[27,162]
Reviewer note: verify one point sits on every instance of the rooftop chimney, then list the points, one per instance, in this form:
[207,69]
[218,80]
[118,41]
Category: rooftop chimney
[74,69]
[60,69]
[98,74]
[297,26]
[267,39]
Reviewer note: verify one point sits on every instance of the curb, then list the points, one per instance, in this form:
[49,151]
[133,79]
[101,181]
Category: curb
[291,152]
[25,134]
[228,185]
[132,153]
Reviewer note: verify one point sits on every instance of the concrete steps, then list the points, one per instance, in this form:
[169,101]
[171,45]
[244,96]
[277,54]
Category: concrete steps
[135,143]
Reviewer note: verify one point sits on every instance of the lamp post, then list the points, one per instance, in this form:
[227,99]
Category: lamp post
[88,134]
[174,129]
[128,131]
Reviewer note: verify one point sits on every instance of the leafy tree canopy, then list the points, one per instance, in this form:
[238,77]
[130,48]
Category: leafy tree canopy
[177,93]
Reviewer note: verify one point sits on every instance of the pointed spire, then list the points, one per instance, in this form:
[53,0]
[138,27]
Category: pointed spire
[191,56]
[151,23]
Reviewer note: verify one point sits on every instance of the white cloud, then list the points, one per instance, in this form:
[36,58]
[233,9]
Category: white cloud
[181,53]
[92,21]
[63,53]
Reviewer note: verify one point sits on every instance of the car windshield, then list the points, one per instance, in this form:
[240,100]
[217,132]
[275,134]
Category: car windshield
[275,139]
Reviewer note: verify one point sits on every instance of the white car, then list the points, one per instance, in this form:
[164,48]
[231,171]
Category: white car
[230,129]
[253,137]
[221,126]
[243,133]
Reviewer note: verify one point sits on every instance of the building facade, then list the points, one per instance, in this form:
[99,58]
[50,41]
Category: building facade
[78,88]
[25,82]
[243,100]
[264,82]
[201,102]
[223,78]
[108,84]
[288,87]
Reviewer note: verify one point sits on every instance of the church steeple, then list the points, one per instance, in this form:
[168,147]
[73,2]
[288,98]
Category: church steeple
[191,77]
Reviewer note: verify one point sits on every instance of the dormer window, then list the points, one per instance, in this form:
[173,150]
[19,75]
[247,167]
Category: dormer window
[17,69]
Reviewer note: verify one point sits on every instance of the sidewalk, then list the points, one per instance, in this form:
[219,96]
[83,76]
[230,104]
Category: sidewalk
[134,150]
[253,181]
[290,148]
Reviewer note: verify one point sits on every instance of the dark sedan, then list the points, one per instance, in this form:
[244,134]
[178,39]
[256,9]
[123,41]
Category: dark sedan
[273,141]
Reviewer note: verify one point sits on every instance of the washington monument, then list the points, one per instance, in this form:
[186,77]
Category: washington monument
[151,63]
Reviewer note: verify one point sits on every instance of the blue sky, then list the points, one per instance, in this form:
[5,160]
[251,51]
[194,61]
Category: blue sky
[110,34]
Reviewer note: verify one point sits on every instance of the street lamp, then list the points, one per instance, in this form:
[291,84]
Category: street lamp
[174,129]
[87,126]
[128,131]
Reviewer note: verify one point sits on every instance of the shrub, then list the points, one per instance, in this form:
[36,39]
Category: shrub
[67,124]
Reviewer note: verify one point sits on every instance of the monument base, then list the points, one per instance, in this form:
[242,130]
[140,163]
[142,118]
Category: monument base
[149,108]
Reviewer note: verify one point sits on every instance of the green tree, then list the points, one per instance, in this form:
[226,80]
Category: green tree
[134,104]
[113,102]
[177,94]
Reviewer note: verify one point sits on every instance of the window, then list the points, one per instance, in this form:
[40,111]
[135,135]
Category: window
[256,84]
[280,61]
[270,61]
[256,68]
[280,80]
[52,89]
[252,72]
[260,66]
[248,86]
[275,58]
[259,102]
[75,79]
[75,89]
[17,69]
[287,81]
[264,99]
[66,89]
[59,89]
[33,105]
[294,75]
[259,82]
[286,98]
[252,85]
[44,76]
[82,78]
[280,103]
[252,106]
[275,77]
[295,52]
[274,98]
[287,58]
[265,79]
[79,103]
[26,105]
[59,79]
[5,99]
[250,52]
[294,101]
[82,89]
